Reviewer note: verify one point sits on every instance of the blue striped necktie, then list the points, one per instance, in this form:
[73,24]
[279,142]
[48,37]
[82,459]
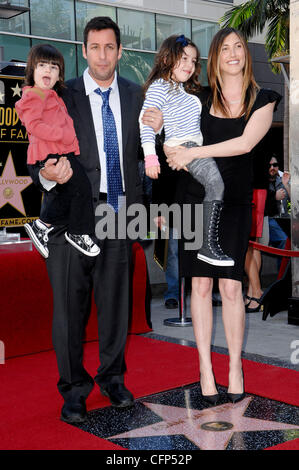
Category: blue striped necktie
[114,180]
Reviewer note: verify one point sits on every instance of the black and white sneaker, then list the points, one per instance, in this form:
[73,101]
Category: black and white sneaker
[83,243]
[38,232]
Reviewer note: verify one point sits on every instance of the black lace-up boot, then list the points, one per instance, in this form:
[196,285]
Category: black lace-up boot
[211,252]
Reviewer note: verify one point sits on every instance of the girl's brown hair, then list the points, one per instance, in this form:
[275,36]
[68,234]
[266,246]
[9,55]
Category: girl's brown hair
[166,59]
[250,87]
[49,54]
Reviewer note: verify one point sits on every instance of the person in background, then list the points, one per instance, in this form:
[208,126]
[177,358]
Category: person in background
[277,203]
[259,230]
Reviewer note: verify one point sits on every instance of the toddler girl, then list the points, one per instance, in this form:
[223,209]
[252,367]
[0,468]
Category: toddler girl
[51,135]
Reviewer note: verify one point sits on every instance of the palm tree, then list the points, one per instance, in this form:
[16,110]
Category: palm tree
[273,16]
[254,16]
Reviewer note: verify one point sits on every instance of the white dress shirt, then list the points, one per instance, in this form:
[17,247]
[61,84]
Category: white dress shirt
[96,109]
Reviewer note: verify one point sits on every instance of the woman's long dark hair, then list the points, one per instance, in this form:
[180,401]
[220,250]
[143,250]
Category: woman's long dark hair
[250,87]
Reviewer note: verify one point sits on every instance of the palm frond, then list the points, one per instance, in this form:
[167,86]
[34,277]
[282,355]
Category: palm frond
[253,16]
[276,36]
[249,17]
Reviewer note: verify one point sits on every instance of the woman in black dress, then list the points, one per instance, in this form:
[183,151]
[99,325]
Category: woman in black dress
[236,115]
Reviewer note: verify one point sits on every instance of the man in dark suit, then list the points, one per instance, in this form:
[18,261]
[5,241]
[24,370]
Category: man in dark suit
[73,275]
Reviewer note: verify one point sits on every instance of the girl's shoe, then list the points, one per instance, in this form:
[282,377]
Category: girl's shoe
[83,243]
[39,234]
[211,251]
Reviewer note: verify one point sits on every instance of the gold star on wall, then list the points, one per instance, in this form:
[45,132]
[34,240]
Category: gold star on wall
[16,90]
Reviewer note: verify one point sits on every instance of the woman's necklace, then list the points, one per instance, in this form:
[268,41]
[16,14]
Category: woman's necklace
[233,101]
[229,101]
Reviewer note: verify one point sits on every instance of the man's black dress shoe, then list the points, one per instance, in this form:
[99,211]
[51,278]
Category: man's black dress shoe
[74,412]
[118,394]
[171,303]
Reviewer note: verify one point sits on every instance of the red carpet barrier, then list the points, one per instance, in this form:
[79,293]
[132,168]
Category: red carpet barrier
[276,251]
[26,302]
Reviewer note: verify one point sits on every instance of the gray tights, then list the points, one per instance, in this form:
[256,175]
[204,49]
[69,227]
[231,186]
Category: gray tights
[206,172]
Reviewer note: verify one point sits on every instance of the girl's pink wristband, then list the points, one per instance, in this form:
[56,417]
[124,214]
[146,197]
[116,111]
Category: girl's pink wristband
[151,160]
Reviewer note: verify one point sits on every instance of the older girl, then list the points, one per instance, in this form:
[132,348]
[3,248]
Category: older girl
[170,88]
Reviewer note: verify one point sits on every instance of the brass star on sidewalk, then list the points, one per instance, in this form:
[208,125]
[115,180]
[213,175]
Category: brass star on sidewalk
[209,429]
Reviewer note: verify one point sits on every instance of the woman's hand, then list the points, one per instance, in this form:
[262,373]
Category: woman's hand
[153,118]
[178,157]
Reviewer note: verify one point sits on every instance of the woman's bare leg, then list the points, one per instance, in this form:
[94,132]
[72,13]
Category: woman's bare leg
[233,313]
[202,319]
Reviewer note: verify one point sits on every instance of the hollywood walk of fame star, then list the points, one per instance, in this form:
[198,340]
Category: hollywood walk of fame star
[11,186]
[209,429]
[16,90]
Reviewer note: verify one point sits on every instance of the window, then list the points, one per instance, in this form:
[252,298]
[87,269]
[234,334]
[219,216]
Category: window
[202,35]
[203,74]
[53,18]
[136,66]
[66,20]
[15,47]
[82,63]
[225,1]
[85,11]
[18,24]
[137,29]
[168,25]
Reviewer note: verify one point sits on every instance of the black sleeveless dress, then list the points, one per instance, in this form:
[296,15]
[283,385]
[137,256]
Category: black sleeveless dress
[237,174]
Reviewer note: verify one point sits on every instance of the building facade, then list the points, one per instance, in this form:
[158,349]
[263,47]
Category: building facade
[144,24]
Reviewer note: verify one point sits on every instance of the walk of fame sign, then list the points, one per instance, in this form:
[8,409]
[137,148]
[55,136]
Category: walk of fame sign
[20,200]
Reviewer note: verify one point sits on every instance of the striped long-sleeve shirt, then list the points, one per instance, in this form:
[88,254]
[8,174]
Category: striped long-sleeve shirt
[181,113]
